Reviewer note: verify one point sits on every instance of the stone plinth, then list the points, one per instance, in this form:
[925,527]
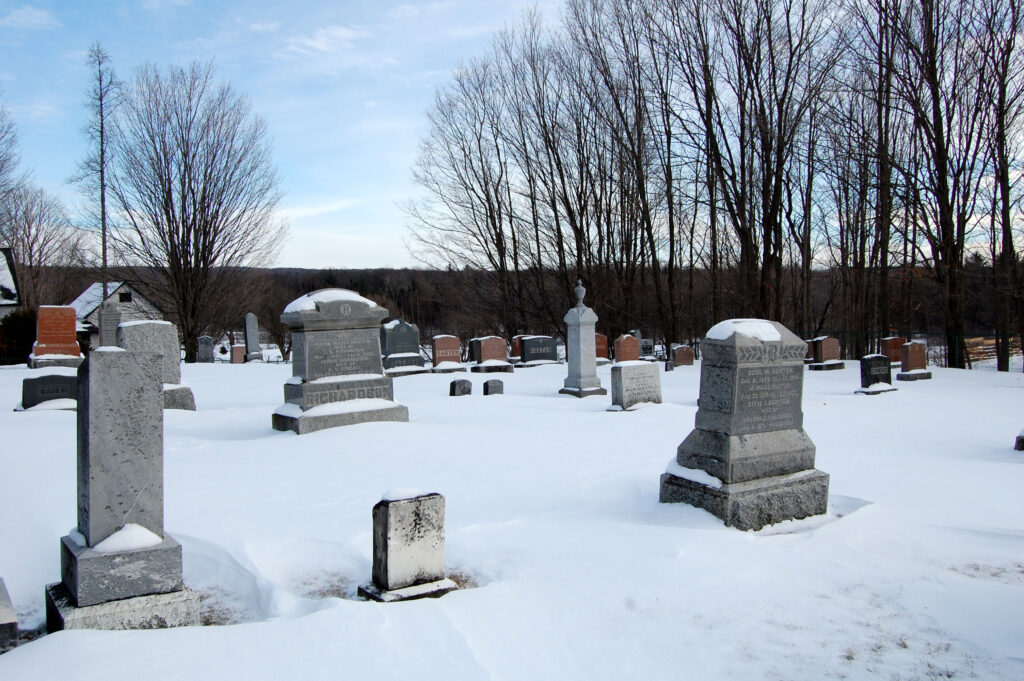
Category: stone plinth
[748,460]
[408,549]
[492,354]
[55,338]
[627,348]
[913,362]
[253,352]
[875,375]
[826,354]
[580,349]
[337,375]
[635,383]
[204,350]
[8,620]
[162,338]
[157,611]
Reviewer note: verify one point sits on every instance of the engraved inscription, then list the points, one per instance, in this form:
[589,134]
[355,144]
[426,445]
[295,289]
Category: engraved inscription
[337,355]
[768,398]
[54,391]
[316,398]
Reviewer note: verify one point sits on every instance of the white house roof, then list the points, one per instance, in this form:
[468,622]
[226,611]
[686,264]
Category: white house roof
[91,298]
[7,279]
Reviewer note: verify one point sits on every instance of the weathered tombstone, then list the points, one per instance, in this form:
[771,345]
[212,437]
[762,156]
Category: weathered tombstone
[8,620]
[627,348]
[748,461]
[537,350]
[635,383]
[492,353]
[601,349]
[460,387]
[408,549]
[55,344]
[253,353]
[647,347]
[447,353]
[204,351]
[162,338]
[891,347]
[682,356]
[913,363]
[494,387]
[119,569]
[875,375]
[237,354]
[337,375]
[110,319]
[826,354]
[400,343]
[580,352]
[48,387]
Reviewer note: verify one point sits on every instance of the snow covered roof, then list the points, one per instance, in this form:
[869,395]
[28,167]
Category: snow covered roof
[8,283]
[91,298]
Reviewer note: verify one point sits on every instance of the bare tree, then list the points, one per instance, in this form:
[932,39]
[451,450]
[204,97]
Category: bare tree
[195,190]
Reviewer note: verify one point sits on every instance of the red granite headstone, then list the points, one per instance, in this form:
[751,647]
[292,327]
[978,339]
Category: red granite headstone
[892,347]
[601,345]
[55,331]
[826,349]
[238,354]
[627,348]
[682,356]
[493,347]
[913,357]
[517,348]
[447,349]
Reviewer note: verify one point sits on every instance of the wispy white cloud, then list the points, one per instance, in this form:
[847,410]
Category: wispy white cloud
[309,210]
[34,111]
[29,18]
[329,39]
[265,27]
[413,11]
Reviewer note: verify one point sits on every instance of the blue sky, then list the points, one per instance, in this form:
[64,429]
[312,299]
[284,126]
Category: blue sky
[342,85]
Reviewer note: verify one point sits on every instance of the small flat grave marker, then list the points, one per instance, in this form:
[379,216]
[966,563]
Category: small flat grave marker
[494,387]
[460,387]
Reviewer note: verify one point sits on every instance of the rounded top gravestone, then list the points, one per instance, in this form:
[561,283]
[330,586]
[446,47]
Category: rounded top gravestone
[332,308]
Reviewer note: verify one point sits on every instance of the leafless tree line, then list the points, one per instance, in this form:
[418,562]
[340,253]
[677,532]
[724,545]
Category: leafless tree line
[693,160]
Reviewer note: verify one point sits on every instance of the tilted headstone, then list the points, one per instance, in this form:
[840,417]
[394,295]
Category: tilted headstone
[8,620]
[492,352]
[253,353]
[582,380]
[401,348]
[536,350]
[335,360]
[119,549]
[162,338]
[460,387]
[408,549]
[447,353]
[494,387]
[47,388]
[914,362]
[55,338]
[601,349]
[875,375]
[627,348]
[204,350]
[748,461]
[682,356]
[110,319]
[891,347]
[826,354]
[635,383]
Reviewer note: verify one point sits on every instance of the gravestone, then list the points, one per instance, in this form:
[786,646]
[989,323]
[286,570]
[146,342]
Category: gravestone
[601,349]
[110,319]
[8,620]
[447,353]
[627,348]
[408,549]
[1018,444]
[875,375]
[826,354]
[809,357]
[337,375]
[49,387]
[474,350]
[162,338]
[748,461]
[635,383]
[492,353]
[581,355]
[913,363]
[494,387]
[120,504]
[516,351]
[237,354]
[647,347]
[253,353]
[891,347]
[537,350]
[682,356]
[670,365]
[400,344]
[204,350]
[460,387]
[55,344]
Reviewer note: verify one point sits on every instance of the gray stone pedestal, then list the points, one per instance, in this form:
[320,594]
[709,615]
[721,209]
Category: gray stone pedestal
[8,620]
[159,611]
[580,350]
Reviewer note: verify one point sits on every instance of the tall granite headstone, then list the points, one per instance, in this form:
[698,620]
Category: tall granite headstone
[253,353]
[447,353]
[204,350]
[120,492]
[400,345]
[162,338]
[337,375]
[110,319]
[875,375]
[492,353]
[55,344]
[748,460]
[580,352]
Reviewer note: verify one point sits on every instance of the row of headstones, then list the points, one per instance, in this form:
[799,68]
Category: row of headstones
[823,353]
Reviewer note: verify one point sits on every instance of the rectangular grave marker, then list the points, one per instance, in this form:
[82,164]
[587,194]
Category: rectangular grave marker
[875,375]
[635,383]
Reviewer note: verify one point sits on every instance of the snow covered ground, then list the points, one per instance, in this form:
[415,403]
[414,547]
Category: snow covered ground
[577,572]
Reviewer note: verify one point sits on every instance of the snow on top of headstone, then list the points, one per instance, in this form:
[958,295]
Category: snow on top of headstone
[875,355]
[109,348]
[402,493]
[131,537]
[759,329]
[392,324]
[140,322]
[444,335]
[327,295]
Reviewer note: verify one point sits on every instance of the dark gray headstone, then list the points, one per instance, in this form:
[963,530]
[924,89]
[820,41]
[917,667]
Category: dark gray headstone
[400,337]
[494,387]
[538,350]
[875,369]
[253,353]
[460,387]
[204,351]
[45,388]
[474,350]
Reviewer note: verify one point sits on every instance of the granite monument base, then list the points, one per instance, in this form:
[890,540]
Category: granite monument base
[45,362]
[159,611]
[754,504]
[831,365]
[398,372]
[429,590]
[291,417]
[179,397]
[8,621]
[91,577]
[739,458]
[447,368]
[583,392]
[876,389]
[916,375]
[504,367]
